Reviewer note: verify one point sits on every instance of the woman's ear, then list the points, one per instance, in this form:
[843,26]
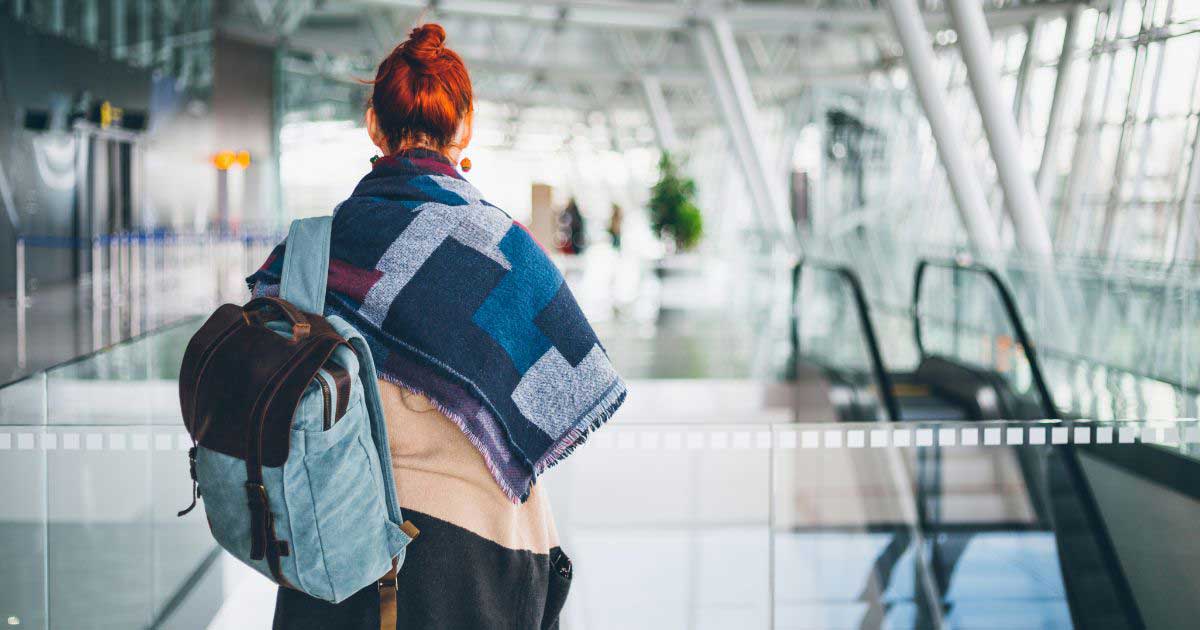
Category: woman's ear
[465,129]
[377,136]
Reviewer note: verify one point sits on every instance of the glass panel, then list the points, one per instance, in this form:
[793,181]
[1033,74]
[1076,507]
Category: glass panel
[130,383]
[99,552]
[23,526]
[1000,525]
[24,402]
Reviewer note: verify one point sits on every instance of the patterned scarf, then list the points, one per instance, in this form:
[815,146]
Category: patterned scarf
[460,304]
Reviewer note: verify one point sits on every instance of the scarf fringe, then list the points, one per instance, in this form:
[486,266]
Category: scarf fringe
[464,426]
[573,439]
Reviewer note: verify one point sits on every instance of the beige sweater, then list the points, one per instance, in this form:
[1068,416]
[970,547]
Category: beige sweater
[440,473]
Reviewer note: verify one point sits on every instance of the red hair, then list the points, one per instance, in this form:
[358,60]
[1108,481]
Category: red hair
[422,91]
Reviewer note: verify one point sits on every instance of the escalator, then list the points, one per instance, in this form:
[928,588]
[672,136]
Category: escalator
[1074,493]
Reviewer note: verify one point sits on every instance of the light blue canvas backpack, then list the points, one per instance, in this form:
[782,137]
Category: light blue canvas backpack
[291,451]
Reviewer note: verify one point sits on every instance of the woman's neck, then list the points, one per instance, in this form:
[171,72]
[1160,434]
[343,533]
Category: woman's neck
[452,153]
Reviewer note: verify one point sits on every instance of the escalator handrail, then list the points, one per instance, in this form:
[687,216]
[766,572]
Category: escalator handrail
[1012,313]
[882,379]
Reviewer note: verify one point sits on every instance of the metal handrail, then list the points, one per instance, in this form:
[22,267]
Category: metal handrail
[1010,310]
[882,379]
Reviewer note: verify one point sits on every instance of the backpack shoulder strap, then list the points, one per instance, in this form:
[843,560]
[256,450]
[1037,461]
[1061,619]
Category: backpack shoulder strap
[306,264]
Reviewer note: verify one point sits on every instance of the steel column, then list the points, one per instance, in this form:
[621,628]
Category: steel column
[746,111]
[960,173]
[118,29]
[22,304]
[1185,240]
[1033,33]
[1020,196]
[660,114]
[1114,231]
[1047,171]
[91,22]
[58,16]
[145,33]
[724,68]
[1090,121]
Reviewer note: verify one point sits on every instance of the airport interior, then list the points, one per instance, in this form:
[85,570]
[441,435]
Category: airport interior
[906,293]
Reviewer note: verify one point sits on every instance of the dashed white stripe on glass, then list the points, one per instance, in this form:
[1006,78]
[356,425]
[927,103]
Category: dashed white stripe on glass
[1171,434]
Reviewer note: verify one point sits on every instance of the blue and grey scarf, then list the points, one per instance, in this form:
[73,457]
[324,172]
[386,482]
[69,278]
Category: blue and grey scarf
[460,304]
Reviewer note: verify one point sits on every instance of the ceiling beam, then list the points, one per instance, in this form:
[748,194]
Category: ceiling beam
[627,14]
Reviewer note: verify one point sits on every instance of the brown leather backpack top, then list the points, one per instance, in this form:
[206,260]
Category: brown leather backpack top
[240,381]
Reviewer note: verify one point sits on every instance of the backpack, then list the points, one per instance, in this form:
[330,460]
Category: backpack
[290,449]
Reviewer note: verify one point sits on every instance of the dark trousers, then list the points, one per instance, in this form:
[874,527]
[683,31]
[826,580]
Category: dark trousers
[451,579]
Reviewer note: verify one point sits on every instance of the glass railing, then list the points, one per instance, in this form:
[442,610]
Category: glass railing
[93,455]
[941,525]
[74,296]
[834,330]
[742,524]
[1116,339]
[966,312]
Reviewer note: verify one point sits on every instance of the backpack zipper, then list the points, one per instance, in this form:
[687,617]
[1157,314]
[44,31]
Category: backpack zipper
[328,398]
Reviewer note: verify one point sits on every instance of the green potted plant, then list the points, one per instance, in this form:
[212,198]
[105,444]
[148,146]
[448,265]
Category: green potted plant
[674,216]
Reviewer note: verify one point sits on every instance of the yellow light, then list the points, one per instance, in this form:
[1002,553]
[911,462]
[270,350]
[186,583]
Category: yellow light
[223,160]
[110,114]
[243,158]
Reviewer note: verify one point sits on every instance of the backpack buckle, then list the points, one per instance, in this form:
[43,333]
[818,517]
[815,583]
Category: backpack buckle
[256,493]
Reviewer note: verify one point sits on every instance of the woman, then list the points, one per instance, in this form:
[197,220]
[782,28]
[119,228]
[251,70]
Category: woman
[489,372]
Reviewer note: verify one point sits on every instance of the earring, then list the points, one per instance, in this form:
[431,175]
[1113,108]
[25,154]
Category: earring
[465,165]
[373,158]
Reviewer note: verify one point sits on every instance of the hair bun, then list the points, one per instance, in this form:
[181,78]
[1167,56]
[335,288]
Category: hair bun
[424,45]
